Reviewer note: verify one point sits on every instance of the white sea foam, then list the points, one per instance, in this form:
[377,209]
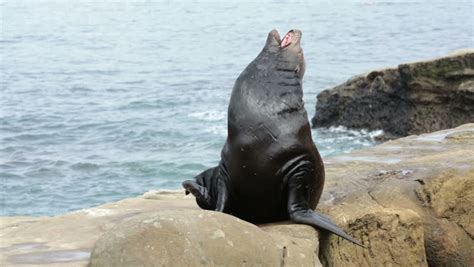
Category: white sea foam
[355,132]
[341,140]
[218,130]
[211,115]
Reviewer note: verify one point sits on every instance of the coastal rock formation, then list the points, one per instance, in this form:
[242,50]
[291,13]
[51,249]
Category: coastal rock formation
[410,201]
[414,98]
[418,182]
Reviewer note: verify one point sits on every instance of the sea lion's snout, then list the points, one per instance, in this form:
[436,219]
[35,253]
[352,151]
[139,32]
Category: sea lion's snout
[275,42]
[289,53]
[285,54]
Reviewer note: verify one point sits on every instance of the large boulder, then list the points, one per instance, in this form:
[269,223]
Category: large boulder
[199,237]
[411,99]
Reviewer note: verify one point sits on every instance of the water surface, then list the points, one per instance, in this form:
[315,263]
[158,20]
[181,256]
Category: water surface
[103,101]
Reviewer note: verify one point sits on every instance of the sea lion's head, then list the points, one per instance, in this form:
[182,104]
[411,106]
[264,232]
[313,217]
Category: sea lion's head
[287,51]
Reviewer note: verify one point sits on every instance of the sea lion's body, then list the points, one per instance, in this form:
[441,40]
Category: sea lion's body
[270,169]
[267,129]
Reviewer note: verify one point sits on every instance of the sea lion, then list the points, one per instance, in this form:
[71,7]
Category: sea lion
[270,169]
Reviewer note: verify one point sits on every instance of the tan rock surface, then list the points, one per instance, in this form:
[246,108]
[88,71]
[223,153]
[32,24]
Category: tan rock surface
[425,187]
[67,240]
[199,237]
[409,200]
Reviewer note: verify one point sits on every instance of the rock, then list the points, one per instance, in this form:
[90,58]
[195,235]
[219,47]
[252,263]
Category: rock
[414,98]
[407,224]
[450,196]
[67,240]
[394,237]
[202,237]
[298,243]
[410,201]
[419,194]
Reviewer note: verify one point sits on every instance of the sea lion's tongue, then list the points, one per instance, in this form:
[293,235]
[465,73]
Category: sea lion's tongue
[287,39]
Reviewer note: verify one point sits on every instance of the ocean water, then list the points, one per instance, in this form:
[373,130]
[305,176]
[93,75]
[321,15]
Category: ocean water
[103,100]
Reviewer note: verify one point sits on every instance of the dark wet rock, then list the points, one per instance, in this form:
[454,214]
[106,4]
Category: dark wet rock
[414,98]
[410,202]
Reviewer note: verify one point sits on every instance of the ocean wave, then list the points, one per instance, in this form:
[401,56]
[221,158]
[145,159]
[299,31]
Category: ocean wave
[212,115]
[85,166]
[341,140]
[220,130]
[355,132]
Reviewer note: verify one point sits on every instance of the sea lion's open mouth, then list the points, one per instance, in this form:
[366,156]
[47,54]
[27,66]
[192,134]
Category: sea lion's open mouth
[287,40]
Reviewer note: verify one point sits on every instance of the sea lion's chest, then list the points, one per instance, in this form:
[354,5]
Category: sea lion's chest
[256,150]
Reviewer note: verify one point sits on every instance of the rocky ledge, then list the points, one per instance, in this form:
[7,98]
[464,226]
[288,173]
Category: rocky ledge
[414,98]
[410,201]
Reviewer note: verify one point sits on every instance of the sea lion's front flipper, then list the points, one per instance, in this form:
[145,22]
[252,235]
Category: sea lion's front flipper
[300,212]
[201,194]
